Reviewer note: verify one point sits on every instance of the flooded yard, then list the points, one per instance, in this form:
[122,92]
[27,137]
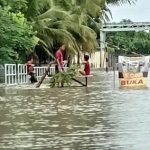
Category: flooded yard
[98,117]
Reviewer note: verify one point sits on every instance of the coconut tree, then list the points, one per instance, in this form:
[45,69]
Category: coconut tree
[67,24]
[68,21]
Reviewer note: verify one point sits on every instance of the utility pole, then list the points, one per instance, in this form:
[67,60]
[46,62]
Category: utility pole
[102,45]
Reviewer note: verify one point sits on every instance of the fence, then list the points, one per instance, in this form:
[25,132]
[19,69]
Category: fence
[10,74]
[22,74]
[41,70]
[2,73]
[17,74]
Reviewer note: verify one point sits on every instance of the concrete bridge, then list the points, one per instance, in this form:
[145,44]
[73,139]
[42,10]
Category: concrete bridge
[132,26]
[118,27]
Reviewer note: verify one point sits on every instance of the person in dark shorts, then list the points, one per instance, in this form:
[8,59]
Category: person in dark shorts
[30,70]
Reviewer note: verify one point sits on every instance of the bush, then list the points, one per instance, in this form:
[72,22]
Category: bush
[17,38]
[64,77]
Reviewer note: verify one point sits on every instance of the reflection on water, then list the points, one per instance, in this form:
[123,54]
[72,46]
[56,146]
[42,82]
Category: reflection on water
[99,117]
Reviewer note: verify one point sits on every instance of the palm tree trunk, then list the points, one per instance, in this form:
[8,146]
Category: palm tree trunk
[78,58]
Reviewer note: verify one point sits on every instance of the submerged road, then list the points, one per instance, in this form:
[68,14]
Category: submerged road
[99,117]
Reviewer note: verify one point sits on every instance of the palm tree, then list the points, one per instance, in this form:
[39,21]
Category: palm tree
[67,24]
[68,21]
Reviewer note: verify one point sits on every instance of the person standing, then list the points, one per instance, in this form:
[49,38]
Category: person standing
[30,69]
[59,59]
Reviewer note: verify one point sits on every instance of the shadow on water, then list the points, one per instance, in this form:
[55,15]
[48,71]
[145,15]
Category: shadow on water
[99,117]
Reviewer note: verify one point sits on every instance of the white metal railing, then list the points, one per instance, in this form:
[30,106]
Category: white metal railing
[39,71]
[17,74]
[10,74]
[127,24]
[133,26]
[22,74]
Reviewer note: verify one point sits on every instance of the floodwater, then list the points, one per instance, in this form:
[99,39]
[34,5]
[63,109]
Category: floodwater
[99,117]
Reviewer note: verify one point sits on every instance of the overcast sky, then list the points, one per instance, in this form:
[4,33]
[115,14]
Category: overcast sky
[138,12]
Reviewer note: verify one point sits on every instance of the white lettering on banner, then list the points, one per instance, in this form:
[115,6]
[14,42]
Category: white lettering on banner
[132,75]
[132,82]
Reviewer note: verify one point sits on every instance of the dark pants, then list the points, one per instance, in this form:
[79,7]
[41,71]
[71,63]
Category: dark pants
[56,69]
[33,78]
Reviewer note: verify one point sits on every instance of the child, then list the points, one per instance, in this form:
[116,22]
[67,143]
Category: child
[30,69]
[86,70]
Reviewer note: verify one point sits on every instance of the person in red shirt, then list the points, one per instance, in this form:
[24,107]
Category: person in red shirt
[30,66]
[86,70]
[59,59]
[30,69]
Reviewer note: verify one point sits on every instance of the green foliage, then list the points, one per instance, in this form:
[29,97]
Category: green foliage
[17,38]
[55,21]
[15,5]
[128,42]
[64,76]
[8,55]
[67,21]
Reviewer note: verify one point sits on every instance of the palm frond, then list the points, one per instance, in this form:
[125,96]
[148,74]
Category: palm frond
[54,12]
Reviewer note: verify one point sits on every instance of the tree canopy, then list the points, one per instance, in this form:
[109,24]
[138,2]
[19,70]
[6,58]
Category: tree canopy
[128,42]
[50,22]
[17,37]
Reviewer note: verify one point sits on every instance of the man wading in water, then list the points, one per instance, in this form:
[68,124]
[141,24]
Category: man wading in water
[59,59]
[30,69]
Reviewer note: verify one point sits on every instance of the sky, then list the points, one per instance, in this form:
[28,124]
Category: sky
[138,12]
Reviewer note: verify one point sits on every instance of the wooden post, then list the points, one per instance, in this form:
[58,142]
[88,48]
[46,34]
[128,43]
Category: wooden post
[86,81]
[78,81]
[114,70]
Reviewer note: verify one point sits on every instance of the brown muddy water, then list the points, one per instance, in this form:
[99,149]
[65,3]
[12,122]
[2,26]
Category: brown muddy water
[99,117]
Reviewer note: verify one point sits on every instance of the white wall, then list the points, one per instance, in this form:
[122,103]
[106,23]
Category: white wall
[95,59]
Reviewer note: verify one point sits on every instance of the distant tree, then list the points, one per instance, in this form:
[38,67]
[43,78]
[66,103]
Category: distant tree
[119,2]
[126,21]
[129,41]
[74,22]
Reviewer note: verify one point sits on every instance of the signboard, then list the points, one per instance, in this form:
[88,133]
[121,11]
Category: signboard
[133,80]
[133,71]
